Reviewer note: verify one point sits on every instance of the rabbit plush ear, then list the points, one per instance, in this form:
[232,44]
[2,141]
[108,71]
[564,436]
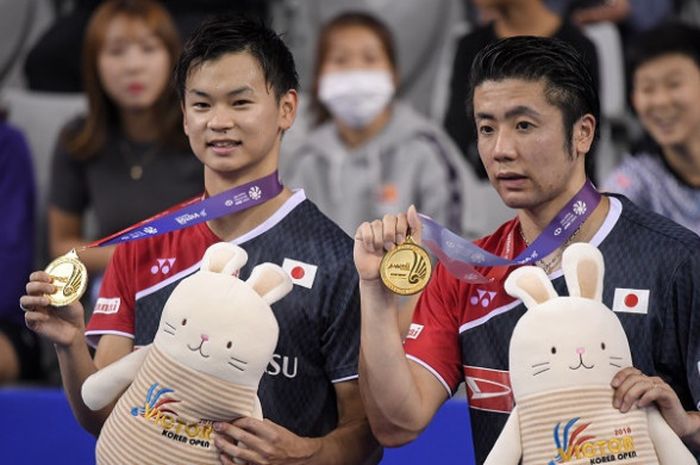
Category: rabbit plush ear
[583,269]
[224,258]
[270,281]
[531,285]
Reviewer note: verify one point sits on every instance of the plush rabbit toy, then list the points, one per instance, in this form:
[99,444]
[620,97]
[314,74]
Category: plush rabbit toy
[564,353]
[215,339]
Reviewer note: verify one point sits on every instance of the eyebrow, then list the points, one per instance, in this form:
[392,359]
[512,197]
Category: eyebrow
[121,39]
[234,93]
[520,110]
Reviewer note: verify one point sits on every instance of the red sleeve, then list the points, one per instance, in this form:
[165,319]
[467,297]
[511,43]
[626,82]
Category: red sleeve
[114,309]
[433,338]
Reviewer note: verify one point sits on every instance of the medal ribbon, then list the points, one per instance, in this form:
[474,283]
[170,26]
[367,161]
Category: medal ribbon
[459,256]
[197,211]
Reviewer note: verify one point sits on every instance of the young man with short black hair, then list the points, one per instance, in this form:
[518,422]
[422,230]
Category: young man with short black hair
[238,86]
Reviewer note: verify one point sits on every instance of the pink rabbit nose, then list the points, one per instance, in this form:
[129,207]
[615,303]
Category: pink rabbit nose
[580,350]
[205,337]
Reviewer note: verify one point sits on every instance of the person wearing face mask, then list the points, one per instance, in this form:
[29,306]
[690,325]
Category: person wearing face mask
[127,158]
[371,154]
[663,175]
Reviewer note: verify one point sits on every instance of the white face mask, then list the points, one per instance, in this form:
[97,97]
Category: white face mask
[356,97]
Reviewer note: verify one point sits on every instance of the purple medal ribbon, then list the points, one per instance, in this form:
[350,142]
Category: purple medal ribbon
[225,203]
[459,255]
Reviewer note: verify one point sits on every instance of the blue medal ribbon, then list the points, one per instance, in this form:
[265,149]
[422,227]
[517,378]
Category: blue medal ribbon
[198,210]
[459,256]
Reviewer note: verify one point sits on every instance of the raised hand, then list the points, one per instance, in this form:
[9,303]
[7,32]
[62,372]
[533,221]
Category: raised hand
[60,325]
[373,239]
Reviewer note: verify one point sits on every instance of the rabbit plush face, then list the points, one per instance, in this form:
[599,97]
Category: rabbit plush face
[565,342]
[217,324]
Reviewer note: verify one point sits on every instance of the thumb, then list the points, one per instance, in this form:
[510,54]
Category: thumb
[414,223]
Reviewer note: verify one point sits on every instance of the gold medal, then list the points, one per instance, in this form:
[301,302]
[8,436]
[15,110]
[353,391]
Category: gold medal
[70,278]
[406,269]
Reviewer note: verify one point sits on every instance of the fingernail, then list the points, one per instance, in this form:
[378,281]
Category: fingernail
[616,404]
[388,245]
[217,426]
[615,383]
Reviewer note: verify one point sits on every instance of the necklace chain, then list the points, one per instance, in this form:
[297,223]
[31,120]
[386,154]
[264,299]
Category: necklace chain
[137,162]
[551,264]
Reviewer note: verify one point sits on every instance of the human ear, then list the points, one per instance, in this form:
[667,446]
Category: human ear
[288,109]
[584,132]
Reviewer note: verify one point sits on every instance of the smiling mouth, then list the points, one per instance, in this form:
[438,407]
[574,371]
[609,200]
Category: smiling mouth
[224,144]
[198,349]
[581,364]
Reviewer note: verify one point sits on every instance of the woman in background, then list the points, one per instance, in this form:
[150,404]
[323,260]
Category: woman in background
[370,154]
[128,157]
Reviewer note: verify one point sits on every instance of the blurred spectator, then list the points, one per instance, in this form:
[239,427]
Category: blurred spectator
[422,30]
[664,176]
[688,11]
[127,158]
[53,64]
[371,154]
[511,18]
[19,349]
[633,16]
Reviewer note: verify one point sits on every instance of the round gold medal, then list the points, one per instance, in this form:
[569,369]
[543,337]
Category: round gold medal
[406,269]
[70,278]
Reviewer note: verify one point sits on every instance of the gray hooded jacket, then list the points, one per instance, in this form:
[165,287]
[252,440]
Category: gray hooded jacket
[411,161]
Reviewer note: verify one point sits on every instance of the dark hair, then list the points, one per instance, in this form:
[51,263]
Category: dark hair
[89,138]
[347,19]
[668,38]
[568,83]
[235,34]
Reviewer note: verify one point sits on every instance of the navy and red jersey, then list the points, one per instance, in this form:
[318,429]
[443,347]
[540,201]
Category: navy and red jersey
[461,331]
[319,320]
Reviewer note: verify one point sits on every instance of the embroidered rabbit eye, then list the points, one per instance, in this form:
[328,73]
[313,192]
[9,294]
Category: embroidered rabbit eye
[184,321]
[229,345]
[602,345]
[554,350]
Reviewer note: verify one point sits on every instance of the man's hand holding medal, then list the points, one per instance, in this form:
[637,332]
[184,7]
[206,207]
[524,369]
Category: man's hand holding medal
[64,280]
[389,249]
[45,291]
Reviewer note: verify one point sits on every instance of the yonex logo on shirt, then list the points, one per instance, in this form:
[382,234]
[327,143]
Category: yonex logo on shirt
[482,297]
[163,265]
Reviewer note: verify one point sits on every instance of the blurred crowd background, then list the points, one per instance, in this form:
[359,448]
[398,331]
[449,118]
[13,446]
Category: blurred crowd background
[382,121]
